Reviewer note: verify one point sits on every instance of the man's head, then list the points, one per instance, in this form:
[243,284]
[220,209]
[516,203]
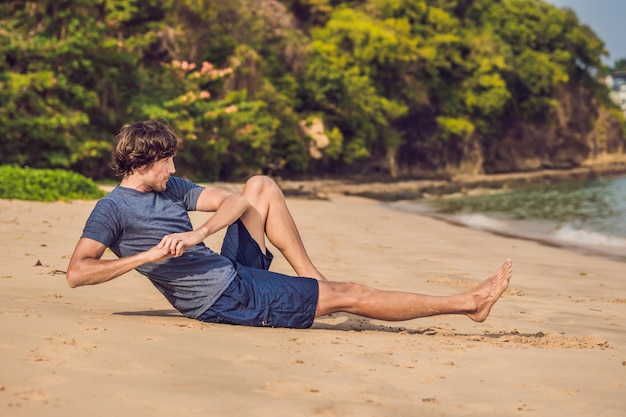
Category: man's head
[141,144]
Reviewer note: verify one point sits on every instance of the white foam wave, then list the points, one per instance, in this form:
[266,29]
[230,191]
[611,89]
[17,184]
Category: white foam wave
[570,235]
[543,231]
[480,221]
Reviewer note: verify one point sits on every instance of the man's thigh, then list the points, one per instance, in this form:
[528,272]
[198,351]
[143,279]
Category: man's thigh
[262,298]
[240,247]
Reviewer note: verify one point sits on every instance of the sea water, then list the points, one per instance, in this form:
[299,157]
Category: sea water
[588,216]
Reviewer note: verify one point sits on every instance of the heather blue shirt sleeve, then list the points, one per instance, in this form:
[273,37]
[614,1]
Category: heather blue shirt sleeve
[186,191]
[104,224]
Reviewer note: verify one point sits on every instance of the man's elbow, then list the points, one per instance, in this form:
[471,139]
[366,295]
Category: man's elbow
[73,278]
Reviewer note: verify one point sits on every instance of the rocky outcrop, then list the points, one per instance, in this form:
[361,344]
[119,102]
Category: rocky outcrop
[464,184]
[318,140]
[574,133]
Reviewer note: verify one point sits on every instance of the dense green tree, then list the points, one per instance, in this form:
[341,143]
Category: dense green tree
[239,117]
[74,71]
[45,81]
[547,47]
[238,79]
[346,59]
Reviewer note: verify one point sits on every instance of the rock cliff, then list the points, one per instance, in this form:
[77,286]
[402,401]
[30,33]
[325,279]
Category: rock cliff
[577,130]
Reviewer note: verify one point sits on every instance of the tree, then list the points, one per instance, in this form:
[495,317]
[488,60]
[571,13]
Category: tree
[239,79]
[345,59]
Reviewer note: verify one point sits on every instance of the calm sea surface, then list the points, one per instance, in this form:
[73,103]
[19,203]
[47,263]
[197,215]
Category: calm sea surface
[589,216]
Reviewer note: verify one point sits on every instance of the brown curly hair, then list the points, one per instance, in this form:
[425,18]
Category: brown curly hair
[141,144]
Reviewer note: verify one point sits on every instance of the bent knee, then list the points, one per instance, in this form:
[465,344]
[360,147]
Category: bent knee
[260,184]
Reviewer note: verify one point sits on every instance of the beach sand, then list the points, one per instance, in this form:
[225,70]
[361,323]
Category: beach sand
[554,345]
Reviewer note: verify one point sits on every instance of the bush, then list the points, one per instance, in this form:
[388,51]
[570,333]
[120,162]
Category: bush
[45,184]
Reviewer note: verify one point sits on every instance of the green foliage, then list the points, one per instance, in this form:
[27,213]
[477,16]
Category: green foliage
[235,78]
[45,184]
[619,65]
[544,47]
[67,73]
[338,80]
[457,127]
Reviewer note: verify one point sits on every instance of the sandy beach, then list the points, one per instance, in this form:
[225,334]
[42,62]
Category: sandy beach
[554,345]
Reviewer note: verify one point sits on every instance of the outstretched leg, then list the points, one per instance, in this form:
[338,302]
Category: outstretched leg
[396,306]
[269,216]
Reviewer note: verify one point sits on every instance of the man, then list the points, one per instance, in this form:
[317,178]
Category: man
[144,221]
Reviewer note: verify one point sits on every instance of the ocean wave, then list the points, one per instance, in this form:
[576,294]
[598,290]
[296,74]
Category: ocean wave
[546,232]
[481,221]
[568,234]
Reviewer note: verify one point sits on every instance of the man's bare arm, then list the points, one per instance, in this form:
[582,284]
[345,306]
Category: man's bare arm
[227,208]
[87,268]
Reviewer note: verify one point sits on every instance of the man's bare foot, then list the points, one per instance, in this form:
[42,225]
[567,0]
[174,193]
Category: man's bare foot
[489,291]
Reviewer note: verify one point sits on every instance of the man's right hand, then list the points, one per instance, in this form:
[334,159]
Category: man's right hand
[157,254]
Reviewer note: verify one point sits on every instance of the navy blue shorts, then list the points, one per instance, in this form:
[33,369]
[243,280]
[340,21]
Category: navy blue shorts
[258,297]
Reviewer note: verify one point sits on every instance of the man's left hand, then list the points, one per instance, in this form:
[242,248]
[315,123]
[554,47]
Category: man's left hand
[176,243]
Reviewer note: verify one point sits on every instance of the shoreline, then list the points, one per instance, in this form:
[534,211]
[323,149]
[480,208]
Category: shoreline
[582,250]
[389,192]
[410,189]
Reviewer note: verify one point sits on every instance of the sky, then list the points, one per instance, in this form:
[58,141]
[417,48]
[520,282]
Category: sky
[607,18]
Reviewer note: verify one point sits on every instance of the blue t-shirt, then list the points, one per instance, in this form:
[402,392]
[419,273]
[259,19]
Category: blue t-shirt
[130,221]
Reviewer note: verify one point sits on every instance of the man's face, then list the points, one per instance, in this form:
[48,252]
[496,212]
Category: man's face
[155,178]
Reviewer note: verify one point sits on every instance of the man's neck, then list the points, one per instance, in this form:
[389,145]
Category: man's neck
[133,181]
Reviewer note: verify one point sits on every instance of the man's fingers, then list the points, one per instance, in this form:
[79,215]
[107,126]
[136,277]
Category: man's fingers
[180,248]
[168,245]
[172,245]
